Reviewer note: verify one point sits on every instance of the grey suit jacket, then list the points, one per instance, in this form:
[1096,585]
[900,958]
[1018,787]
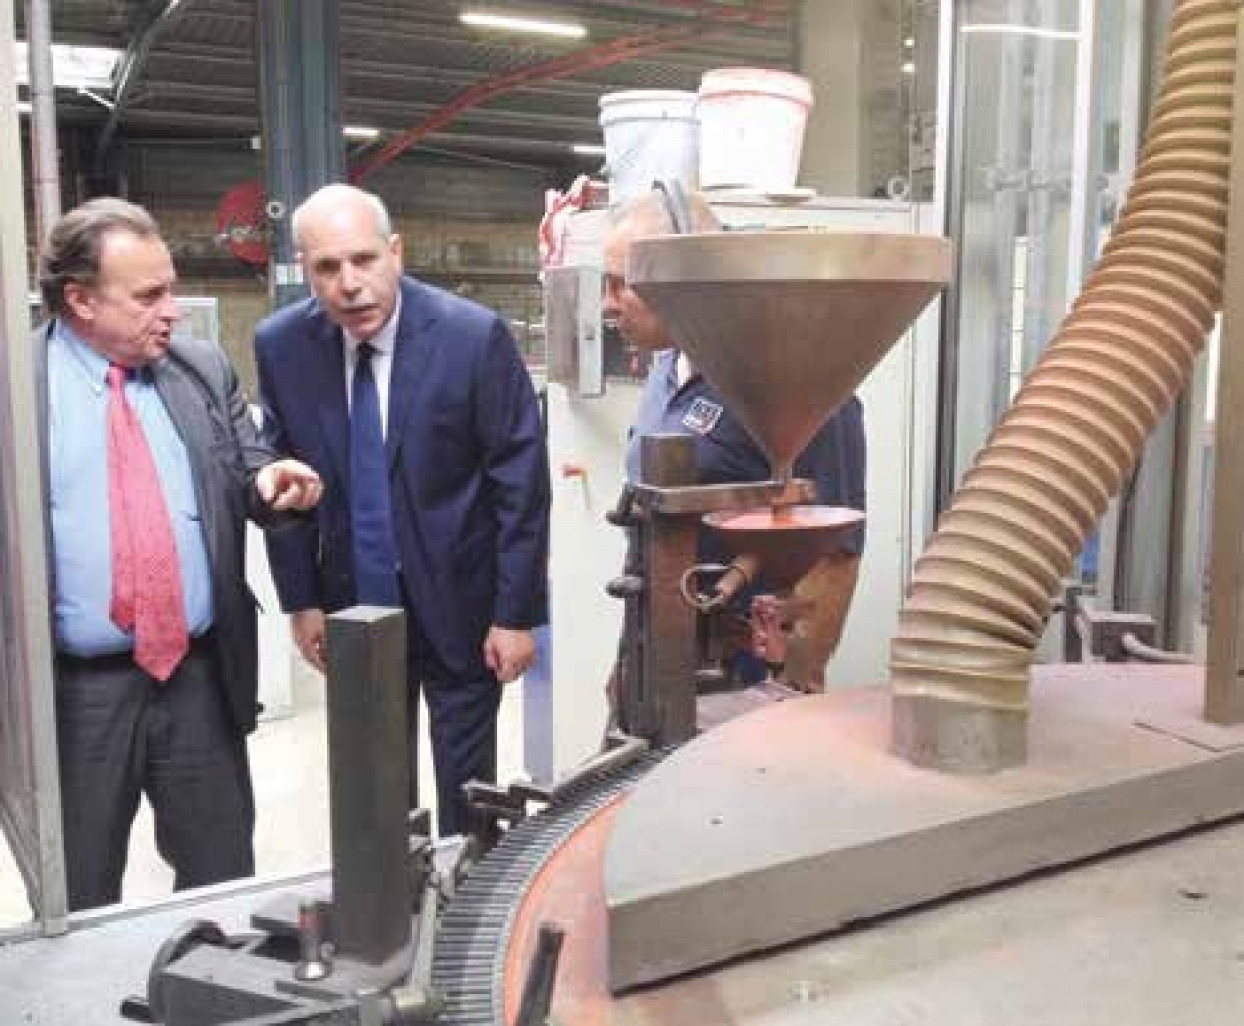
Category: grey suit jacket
[201,392]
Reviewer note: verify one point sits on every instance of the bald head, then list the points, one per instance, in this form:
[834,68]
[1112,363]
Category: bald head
[649,214]
[350,257]
[644,216]
[335,197]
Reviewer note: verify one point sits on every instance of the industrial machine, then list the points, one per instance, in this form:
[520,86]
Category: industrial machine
[672,853]
[785,325]
[587,435]
[840,300]
[357,949]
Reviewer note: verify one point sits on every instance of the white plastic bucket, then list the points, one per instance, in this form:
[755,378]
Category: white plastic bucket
[752,122]
[650,134]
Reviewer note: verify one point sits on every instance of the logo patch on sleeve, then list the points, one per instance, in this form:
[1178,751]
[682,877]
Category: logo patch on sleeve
[702,416]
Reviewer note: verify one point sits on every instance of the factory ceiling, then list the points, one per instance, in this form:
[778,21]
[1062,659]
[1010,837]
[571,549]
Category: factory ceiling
[402,61]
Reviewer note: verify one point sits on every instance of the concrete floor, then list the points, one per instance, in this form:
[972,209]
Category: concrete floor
[289,765]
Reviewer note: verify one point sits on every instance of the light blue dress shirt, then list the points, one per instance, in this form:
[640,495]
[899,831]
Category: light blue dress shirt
[81,531]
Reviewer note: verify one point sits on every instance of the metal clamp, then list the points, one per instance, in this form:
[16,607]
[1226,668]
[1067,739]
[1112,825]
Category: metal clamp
[732,578]
[704,601]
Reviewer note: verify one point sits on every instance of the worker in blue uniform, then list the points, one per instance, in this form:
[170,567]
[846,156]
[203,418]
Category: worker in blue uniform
[678,399]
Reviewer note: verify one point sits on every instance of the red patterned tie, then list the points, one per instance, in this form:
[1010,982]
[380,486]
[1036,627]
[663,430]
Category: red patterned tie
[146,577]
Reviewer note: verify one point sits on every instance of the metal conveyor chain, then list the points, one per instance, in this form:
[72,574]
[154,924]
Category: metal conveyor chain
[474,931]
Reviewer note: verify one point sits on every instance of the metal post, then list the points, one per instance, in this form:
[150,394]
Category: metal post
[1046,161]
[662,706]
[948,201]
[29,779]
[1139,72]
[44,162]
[368,756]
[1085,207]
[1012,176]
[1224,688]
[299,84]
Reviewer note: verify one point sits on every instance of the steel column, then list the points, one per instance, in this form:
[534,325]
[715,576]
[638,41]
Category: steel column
[44,162]
[1224,670]
[368,755]
[300,100]
[662,706]
[29,781]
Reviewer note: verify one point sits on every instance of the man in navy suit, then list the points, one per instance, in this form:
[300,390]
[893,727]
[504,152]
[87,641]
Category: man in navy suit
[415,408]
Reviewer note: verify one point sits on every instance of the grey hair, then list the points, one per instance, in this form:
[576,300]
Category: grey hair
[71,254]
[335,193]
[650,214]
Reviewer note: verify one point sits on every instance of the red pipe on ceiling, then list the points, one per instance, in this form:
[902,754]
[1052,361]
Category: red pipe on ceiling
[623,48]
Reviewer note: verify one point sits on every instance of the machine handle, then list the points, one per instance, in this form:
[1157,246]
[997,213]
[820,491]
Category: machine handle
[625,586]
[537,1000]
[623,513]
[137,1009]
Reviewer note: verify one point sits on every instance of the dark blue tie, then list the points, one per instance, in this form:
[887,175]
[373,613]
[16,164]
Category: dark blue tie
[371,516]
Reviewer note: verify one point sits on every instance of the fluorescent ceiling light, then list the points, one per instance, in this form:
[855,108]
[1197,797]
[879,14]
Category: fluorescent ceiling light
[909,67]
[360,132]
[515,23]
[73,67]
[588,149]
[1007,29]
[909,42]
[23,107]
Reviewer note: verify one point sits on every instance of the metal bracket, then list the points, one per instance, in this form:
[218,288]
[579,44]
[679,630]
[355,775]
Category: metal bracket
[1092,635]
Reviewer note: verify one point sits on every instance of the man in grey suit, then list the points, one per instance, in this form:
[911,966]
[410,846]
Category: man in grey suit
[151,465]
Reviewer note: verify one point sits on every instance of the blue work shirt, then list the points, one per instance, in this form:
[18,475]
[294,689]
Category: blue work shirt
[726,454]
[81,529]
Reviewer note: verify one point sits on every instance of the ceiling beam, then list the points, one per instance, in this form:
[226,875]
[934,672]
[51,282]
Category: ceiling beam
[186,56]
[489,114]
[366,32]
[696,53]
[155,99]
[242,125]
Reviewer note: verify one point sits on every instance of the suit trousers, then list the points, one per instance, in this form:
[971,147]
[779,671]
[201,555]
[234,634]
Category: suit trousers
[122,734]
[462,724]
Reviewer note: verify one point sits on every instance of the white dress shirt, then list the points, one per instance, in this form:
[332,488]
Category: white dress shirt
[384,342]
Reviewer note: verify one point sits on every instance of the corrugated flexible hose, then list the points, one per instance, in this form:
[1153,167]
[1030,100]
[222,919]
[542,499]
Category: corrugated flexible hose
[985,584]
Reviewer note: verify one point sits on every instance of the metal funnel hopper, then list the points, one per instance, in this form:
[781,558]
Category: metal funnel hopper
[784,542]
[786,324]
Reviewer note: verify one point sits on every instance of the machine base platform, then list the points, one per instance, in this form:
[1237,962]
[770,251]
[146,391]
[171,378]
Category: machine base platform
[795,820]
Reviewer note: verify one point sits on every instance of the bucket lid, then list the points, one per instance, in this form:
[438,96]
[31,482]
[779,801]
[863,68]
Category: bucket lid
[647,96]
[756,80]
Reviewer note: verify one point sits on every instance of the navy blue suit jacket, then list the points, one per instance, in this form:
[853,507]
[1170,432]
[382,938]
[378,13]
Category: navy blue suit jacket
[468,477]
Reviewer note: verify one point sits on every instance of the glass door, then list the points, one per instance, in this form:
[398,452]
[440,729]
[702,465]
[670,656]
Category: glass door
[1043,137]
[1015,63]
